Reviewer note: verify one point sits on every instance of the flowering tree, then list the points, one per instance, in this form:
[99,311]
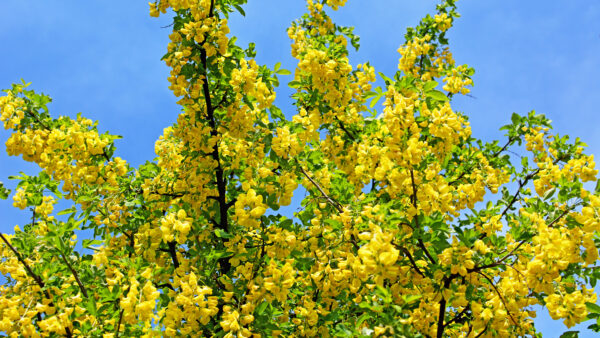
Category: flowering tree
[393,237]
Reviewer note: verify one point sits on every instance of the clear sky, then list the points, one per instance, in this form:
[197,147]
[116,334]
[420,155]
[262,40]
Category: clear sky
[103,59]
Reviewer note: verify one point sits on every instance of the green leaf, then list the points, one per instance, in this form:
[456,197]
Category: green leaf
[261,308]
[429,85]
[220,254]
[91,306]
[336,225]
[222,234]
[591,307]
[549,193]
[362,318]
[276,113]
[411,298]
[437,95]
[3,192]
[570,334]
[239,9]
[287,223]
[86,243]
[294,84]
[386,79]
[67,211]
[283,72]
[374,100]
[515,118]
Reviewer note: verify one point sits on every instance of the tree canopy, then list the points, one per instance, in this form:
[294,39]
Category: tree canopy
[410,226]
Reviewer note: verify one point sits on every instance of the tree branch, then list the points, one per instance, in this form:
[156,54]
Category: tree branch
[563,214]
[414,202]
[510,141]
[352,137]
[173,253]
[499,295]
[74,273]
[37,278]
[119,323]
[458,316]
[337,205]
[442,312]
[34,116]
[330,200]
[516,195]
[412,261]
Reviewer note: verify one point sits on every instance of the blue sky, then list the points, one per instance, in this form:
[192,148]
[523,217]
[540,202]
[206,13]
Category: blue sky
[103,59]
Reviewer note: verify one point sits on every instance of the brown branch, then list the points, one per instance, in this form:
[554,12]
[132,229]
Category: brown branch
[74,273]
[516,195]
[510,141]
[231,203]
[499,295]
[132,244]
[442,312]
[215,223]
[164,285]
[174,195]
[352,137]
[563,214]
[411,259]
[482,332]
[119,323]
[30,113]
[259,260]
[330,200]
[219,172]
[223,100]
[521,185]
[33,216]
[173,253]
[337,205]
[414,202]
[459,177]
[482,267]
[250,246]
[458,316]
[37,278]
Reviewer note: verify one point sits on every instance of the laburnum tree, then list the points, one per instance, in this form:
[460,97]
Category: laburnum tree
[409,226]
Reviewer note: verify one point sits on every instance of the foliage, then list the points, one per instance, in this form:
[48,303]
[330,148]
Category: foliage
[409,227]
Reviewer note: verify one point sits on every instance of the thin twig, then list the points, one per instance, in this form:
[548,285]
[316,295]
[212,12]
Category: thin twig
[79,283]
[442,312]
[458,316]
[414,202]
[499,295]
[337,205]
[173,253]
[331,201]
[523,241]
[119,323]
[412,261]
[37,119]
[37,278]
